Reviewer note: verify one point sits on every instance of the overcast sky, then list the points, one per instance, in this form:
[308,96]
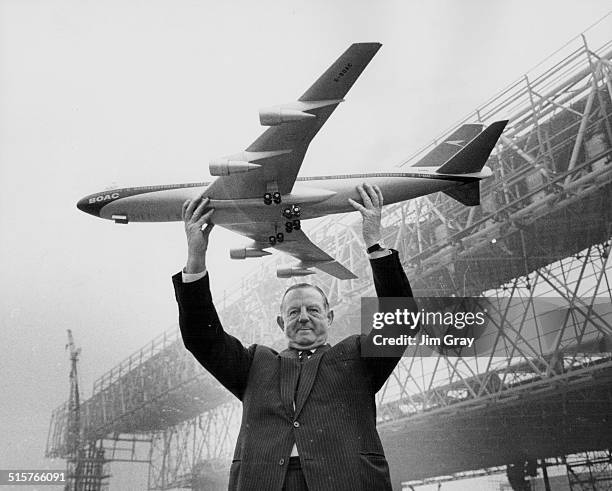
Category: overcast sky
[99,93]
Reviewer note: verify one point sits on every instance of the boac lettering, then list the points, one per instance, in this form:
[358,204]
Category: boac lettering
[103,197]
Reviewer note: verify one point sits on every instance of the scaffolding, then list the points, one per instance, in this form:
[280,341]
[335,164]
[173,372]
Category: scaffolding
[542,234]
[85,460]
[590,471]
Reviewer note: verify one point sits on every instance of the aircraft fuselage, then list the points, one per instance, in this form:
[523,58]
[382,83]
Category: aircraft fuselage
[317,196]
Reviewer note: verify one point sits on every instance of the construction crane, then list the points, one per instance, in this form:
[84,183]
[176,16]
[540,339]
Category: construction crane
[85,461]
[74,406]
[73,428]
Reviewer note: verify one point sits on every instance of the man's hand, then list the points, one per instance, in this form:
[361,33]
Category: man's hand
[370,212]
[197,228]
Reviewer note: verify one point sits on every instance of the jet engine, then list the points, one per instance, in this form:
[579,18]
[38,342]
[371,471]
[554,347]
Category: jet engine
[244,252]
[273,116]
[225,167]
[293,111]
[294,271]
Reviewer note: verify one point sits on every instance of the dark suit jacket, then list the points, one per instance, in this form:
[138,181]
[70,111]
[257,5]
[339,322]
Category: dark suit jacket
[334,420]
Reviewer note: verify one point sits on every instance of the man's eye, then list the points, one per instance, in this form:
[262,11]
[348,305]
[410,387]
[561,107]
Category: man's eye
[313,310]
[292,313]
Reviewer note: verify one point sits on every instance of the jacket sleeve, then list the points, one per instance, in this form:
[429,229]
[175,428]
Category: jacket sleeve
[221,354]
[389,281]
[389,277]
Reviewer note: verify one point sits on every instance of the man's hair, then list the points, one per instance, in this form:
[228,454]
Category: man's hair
[306,285]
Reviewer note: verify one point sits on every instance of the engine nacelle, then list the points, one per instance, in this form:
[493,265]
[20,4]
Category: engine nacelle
[225,167]
[273,116]
[294,271]
[244,252]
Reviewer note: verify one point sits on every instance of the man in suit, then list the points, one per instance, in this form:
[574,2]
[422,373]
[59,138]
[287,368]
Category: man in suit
[309,413]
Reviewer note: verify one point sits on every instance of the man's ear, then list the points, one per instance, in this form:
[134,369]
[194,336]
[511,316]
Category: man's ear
[330,317]
[280,322]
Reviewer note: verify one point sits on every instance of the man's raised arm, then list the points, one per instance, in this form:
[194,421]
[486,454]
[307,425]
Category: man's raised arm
[389,277]
[222,355]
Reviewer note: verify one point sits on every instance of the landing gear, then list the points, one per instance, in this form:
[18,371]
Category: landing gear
[292,214]
[276,239]
[292,211]
[275,197]
[292,225]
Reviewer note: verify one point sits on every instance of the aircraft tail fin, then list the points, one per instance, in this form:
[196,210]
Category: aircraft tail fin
[467,194]
[450,146]
[475,154]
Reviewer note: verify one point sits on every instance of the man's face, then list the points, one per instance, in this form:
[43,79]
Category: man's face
[304,318]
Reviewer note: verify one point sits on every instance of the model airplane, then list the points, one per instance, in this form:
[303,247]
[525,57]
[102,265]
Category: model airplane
[258,192]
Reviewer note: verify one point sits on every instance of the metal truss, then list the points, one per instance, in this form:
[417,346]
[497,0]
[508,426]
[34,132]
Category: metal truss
[542,232]
[579,472]
[590,470]
[523,346]
[88,469]
[194,453]
[439,480]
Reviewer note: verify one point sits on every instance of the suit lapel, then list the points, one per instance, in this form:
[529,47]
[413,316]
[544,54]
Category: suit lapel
[289,375]
[307,377]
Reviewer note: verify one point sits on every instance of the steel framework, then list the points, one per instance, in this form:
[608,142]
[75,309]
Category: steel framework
[542,231]
[592,470]
[86,464]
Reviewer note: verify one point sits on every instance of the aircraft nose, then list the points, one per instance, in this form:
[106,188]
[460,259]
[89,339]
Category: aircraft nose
[88,207]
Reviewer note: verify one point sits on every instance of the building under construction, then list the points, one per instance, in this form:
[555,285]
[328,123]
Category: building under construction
[537,408]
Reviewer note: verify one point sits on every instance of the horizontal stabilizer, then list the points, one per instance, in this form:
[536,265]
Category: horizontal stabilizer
[467,194]
[450,146]
[474,155]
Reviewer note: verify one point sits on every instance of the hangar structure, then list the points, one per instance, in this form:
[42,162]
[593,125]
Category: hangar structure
[540,398]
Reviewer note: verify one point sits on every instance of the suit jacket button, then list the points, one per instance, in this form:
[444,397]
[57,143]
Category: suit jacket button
[281,462]
[296,424]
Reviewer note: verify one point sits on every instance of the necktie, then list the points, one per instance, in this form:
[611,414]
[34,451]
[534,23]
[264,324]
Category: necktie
[304,355]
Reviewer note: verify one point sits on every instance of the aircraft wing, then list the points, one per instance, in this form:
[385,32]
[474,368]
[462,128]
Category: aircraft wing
[299,245]
[280,150]
[296,244]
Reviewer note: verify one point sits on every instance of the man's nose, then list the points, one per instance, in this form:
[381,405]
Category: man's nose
[303,316]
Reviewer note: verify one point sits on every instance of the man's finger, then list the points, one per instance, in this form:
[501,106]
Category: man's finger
[205,218]
[356,205]
[380,195]
[372,195]
[185,205]
[192,206]
[200,209]
[205,224]
[367,202]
